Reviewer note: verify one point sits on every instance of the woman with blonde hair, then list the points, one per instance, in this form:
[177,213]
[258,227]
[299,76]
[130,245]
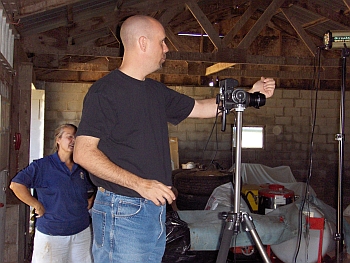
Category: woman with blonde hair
[64,196]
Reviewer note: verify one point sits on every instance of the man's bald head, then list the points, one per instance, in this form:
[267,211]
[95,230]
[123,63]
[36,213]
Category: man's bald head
[145,49]
[136,26]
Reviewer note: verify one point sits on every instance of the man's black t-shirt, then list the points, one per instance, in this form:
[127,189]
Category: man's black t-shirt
[130,118]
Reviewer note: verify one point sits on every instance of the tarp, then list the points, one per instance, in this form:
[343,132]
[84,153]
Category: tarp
[280,225]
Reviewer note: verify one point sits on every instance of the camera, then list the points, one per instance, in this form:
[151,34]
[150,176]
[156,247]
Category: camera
[232,98]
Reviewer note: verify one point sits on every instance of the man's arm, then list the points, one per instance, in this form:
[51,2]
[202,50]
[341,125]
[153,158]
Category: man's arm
[207,108]
[87,154]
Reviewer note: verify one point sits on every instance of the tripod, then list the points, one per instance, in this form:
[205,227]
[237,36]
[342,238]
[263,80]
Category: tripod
[234,219]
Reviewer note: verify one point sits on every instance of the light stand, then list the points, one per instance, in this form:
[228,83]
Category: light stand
[338,39]
[338,236]
[235,218]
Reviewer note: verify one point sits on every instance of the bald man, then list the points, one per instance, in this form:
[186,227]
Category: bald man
[122,140]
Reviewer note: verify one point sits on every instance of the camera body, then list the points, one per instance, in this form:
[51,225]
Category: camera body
[230,97]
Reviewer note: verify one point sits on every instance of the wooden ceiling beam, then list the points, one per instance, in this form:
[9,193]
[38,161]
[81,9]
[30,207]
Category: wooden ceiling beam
[225,56]
[52,23]
[253,32]
[149,5]
[96,67]
[226,3]
[84,26]
[28,8]
[324,11]
[188,57]
[204,23]
[178,44]
[83,73]
[92,51]
[231,34]
[170,13]
[312,23]
[70,76]
[217,68]
[164,19]
[347,3]
[70,15]
[91,36]
[241,22]
[260,24]
[43,27]
[300,31]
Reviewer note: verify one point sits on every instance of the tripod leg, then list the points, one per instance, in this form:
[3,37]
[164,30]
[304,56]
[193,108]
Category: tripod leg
[226,241]
[251,228]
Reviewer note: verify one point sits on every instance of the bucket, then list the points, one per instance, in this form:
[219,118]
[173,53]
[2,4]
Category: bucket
[310,243]
[274,196]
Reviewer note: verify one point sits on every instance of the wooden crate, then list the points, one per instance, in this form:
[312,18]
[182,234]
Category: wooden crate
[174,151]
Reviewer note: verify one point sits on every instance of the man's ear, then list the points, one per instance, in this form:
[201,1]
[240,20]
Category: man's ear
[143,43]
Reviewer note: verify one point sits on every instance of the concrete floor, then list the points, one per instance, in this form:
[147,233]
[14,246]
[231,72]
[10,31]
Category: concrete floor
[329,258]
[332,258]
[211,256]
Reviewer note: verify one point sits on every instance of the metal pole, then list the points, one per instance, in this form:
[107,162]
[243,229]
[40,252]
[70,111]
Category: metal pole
[338,236]
[237,179]
[236,218]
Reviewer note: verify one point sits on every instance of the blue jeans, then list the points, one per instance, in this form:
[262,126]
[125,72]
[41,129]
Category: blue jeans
[127,229]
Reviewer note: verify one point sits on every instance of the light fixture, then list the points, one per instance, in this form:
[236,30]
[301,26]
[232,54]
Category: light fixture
[336,39]
[188,34]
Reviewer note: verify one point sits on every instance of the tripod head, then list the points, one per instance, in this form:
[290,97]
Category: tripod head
[230,98]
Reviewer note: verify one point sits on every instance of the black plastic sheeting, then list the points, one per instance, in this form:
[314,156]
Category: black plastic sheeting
[178,246]
[178,243]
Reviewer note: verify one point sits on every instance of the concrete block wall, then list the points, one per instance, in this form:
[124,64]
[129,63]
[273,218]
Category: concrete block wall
[287,118]
[63,104]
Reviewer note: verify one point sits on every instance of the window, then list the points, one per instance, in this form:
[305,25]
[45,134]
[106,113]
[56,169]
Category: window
[252,137]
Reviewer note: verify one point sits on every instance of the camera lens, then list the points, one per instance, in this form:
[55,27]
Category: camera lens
[256,100]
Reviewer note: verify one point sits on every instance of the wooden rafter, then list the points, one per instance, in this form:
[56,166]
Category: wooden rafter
[300,31]
[29,8]
[324,11]
[68,36]
[347,3]
[260,24]
[241,22]
[252,34]
[178,44]
[230,35]
[204,23]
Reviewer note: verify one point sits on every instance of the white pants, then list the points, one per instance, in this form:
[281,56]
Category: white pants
[63,249]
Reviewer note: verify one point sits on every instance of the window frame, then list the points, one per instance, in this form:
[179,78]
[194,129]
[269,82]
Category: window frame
[244,133]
